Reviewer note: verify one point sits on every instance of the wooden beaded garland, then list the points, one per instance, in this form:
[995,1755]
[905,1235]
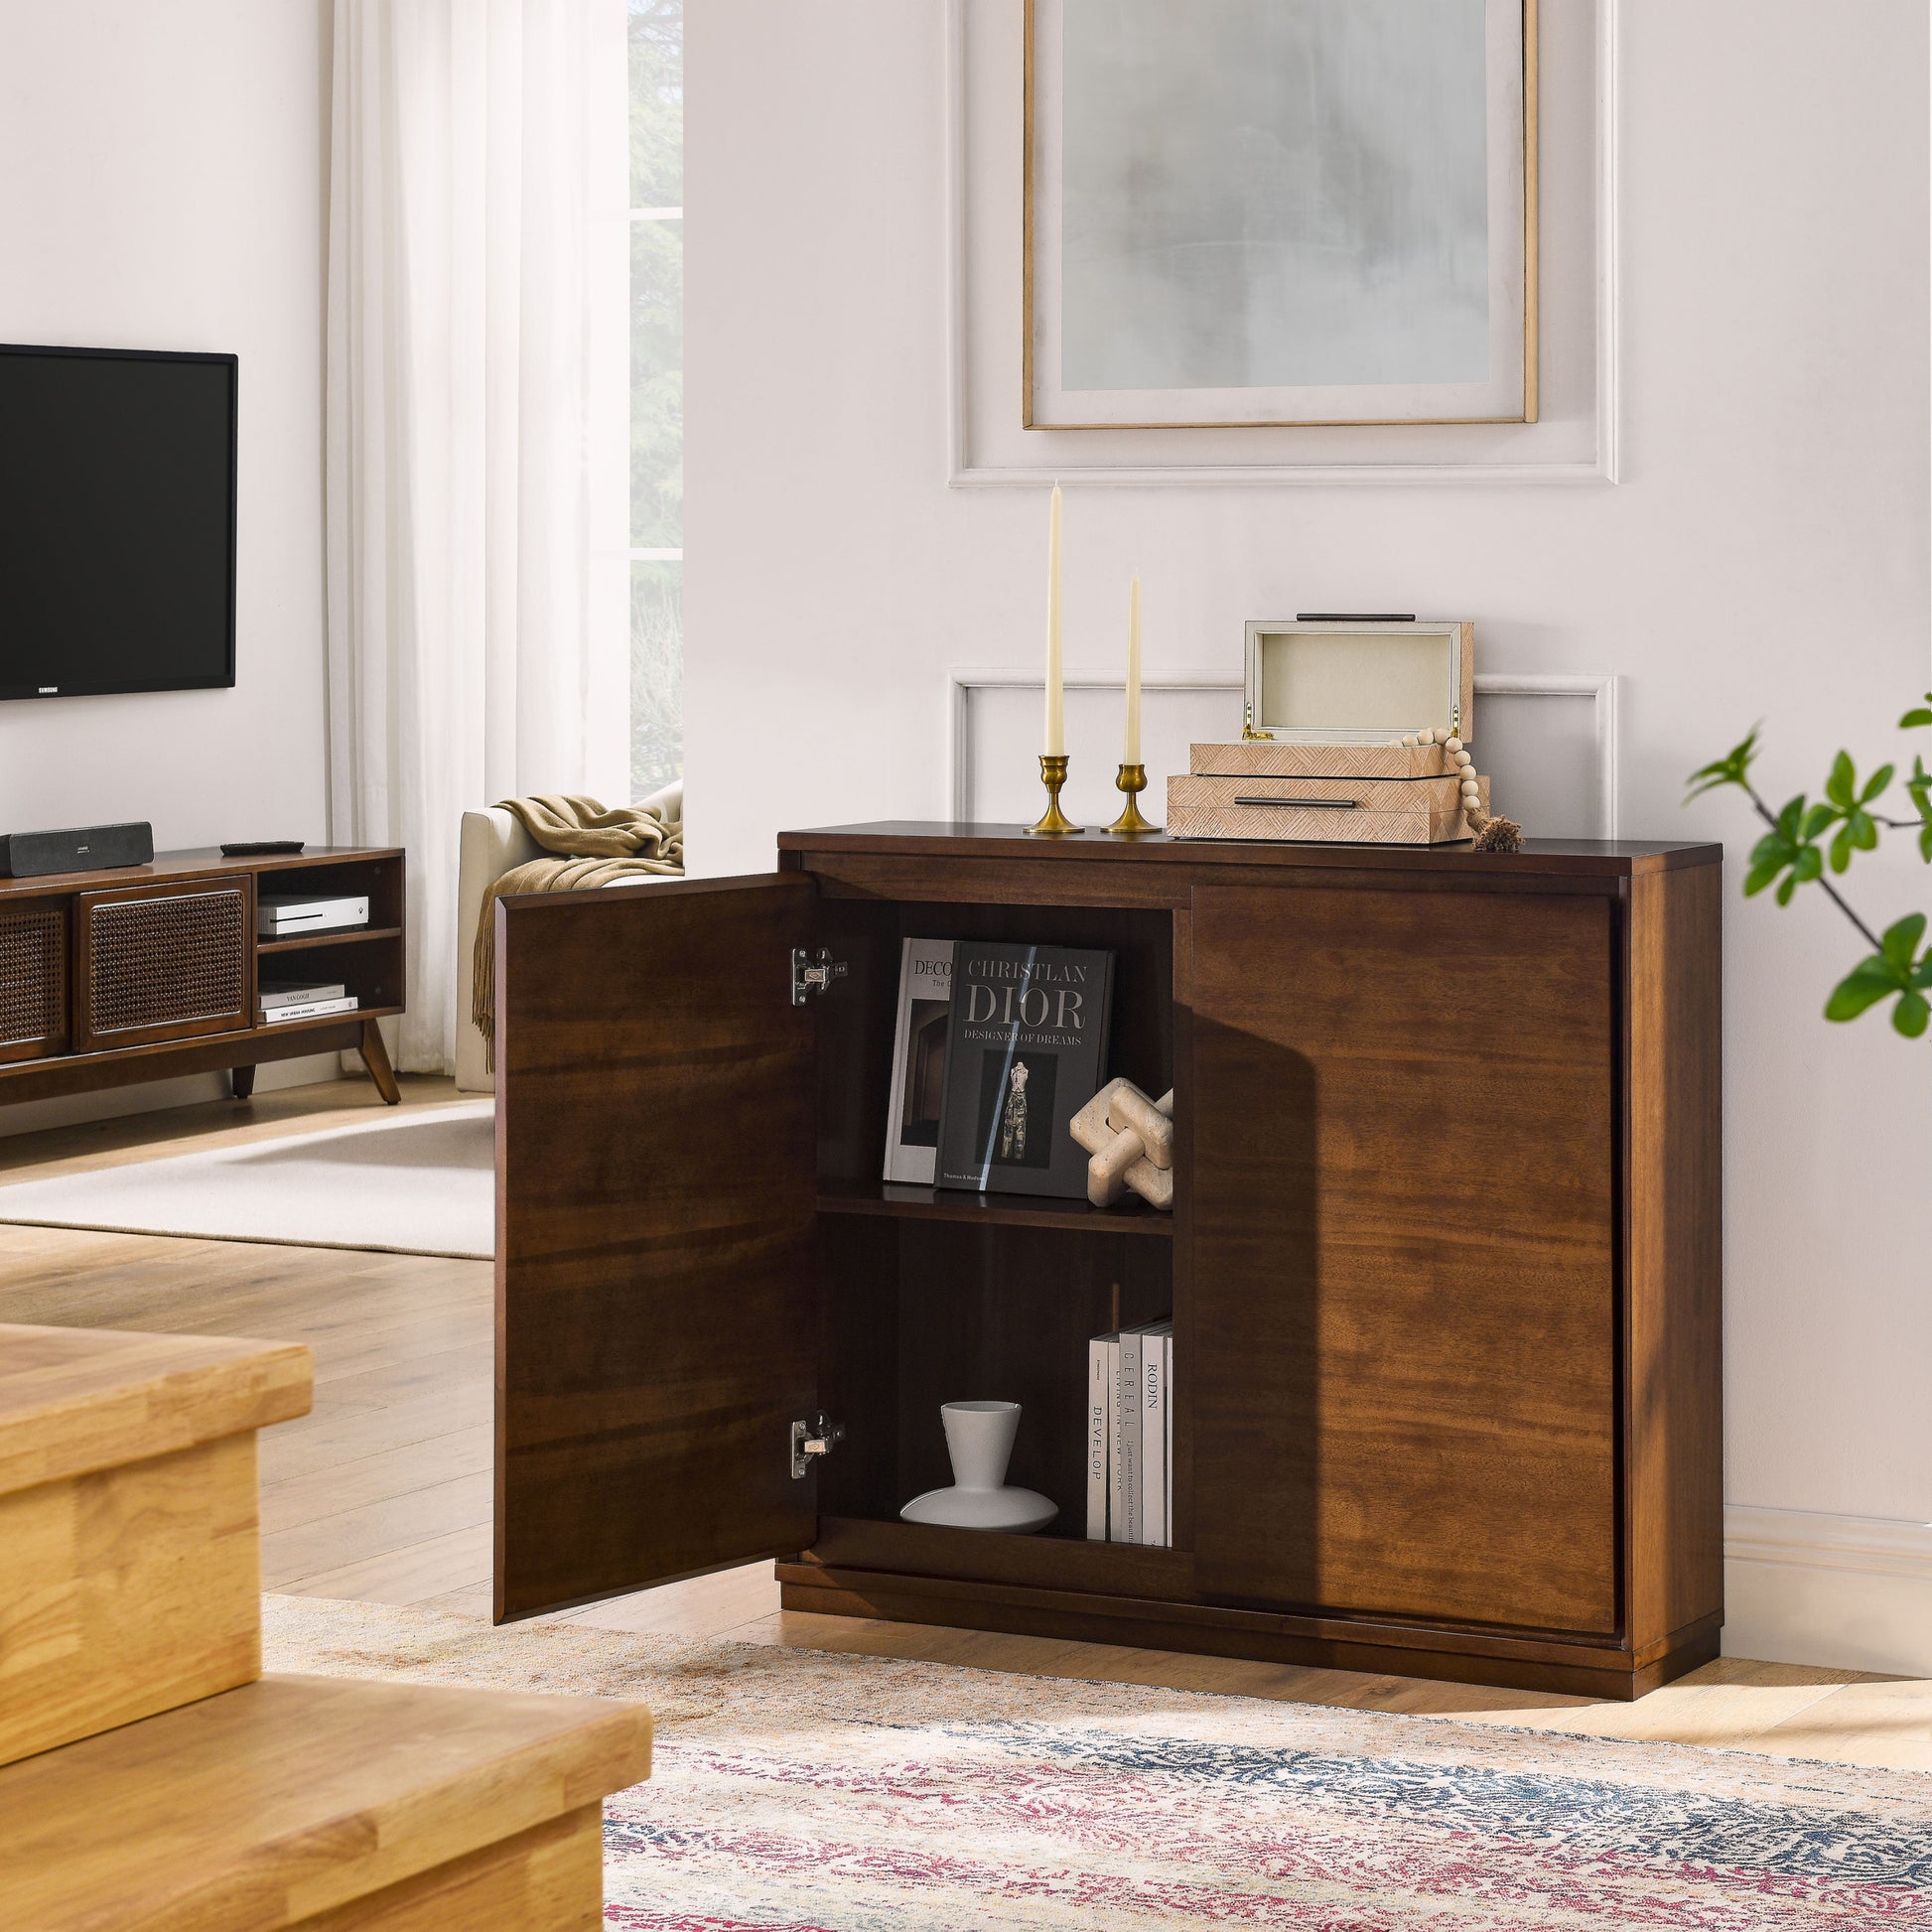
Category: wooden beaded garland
[1493,833]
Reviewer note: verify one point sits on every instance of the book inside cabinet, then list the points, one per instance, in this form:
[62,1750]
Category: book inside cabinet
[1443,1266]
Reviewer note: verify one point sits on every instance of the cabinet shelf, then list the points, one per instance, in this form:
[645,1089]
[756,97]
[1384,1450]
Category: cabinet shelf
[902,1201]
[1060,1558]
[346,935]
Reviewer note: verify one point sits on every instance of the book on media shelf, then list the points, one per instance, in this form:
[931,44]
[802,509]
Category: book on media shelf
[918,1060]
[1130,1435]
[1026,1051]
[284,1000]
[297,993]
[316,1009]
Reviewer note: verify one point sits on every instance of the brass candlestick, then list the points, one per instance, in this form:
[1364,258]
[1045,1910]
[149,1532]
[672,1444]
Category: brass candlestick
[1054,823]
[1130,824]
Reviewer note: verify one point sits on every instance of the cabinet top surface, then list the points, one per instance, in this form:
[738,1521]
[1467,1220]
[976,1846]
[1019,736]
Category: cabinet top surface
[1575,858]
[209,861]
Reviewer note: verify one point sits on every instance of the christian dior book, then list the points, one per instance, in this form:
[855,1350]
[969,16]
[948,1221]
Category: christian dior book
[1027,1048]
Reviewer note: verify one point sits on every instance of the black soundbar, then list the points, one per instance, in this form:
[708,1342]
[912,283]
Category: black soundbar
[88,848]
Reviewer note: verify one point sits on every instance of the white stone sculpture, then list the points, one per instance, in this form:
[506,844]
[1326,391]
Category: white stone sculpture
[1131,1140]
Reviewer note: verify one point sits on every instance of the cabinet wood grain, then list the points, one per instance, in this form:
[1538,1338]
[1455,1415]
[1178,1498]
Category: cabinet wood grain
[656,1206]
[1675,1209]
[1404,1362]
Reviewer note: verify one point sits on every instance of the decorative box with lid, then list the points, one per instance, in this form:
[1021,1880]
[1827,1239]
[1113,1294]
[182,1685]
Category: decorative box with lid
[1355,732]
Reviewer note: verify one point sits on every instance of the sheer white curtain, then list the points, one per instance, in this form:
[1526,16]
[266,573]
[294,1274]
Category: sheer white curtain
[477,433]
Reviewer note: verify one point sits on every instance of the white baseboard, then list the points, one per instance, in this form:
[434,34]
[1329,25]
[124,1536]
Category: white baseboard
[1848,1592]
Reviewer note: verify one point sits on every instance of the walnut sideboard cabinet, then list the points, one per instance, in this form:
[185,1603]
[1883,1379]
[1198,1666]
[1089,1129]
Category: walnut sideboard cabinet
[1443,1263]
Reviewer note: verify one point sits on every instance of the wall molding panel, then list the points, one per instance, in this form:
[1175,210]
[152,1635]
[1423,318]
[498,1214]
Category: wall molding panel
[991,736]
[1463,462]
[1533,781]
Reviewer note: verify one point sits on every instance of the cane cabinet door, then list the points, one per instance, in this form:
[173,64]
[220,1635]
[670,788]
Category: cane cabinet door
[1405,1328]
[656,1306]
[157,963]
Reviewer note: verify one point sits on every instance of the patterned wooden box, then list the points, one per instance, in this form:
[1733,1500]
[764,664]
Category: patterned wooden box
[1329,700]
[1355,811]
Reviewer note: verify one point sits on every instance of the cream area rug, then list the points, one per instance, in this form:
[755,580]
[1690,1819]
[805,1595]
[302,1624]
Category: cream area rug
[422,1183]
[802,1791]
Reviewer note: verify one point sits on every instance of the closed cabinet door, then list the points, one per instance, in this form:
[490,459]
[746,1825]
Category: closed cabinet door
[34,989]
[1404,1197]
[157,963]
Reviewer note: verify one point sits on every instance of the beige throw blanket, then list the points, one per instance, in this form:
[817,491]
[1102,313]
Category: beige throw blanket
[588,847]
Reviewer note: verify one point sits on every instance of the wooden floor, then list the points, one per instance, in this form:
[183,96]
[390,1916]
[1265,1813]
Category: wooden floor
[384,1493]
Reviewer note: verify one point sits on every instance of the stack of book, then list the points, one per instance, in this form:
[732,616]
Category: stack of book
[286,999]
[999,1046]
[1130,1435]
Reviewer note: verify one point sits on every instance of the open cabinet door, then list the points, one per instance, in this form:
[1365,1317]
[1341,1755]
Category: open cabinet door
[655,1303]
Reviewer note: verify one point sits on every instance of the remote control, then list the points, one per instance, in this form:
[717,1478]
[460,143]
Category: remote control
[258,848]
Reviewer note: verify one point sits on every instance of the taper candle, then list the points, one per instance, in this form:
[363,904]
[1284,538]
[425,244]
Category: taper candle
[1132,753]
[1055,745]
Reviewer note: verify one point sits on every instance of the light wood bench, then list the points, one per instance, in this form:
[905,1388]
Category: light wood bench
[152,1779]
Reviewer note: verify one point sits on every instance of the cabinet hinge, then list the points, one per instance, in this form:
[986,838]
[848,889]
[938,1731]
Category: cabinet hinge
[813,973]
[816,1437]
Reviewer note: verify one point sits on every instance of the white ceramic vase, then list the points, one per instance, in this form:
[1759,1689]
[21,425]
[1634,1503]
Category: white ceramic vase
[979,1441]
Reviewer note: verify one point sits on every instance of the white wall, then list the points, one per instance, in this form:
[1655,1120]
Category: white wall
[162,186]
[1766,556]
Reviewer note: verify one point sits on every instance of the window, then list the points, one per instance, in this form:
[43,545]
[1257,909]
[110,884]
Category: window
[656,393]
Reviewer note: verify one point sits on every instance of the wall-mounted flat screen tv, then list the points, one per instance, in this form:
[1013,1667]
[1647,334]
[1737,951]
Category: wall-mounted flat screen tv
[117,521]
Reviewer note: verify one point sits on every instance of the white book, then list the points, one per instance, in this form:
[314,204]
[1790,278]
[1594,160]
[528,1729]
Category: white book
[1100,1430]
[296,993]
[1113,1433]
[1153,1522]
[1126,1524]
[1166,1363]
[918,1060]
[311,1009]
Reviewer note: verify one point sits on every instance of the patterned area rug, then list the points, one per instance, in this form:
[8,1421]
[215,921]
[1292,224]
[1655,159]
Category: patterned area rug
[803,1791]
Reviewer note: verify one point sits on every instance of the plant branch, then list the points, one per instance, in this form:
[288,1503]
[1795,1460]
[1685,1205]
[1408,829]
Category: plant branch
[1831,892]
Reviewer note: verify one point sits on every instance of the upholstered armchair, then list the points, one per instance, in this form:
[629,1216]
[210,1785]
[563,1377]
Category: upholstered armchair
[493,842]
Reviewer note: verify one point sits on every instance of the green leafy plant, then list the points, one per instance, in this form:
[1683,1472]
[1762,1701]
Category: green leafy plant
[1807,839]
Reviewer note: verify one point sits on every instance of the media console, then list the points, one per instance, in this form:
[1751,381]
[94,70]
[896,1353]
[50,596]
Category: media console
[146,971]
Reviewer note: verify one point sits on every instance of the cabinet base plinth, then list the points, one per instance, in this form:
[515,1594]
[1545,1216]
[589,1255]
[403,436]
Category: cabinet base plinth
[1254,1636]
